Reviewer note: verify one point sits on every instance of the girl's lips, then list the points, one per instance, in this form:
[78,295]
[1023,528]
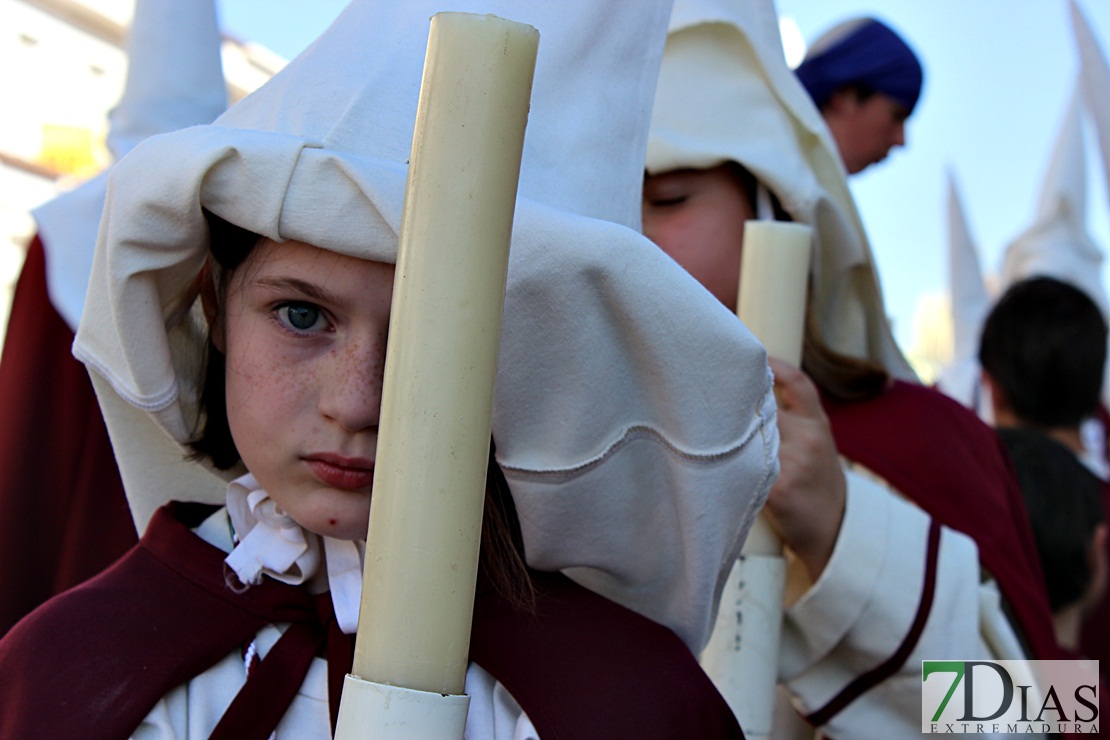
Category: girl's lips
[344,473]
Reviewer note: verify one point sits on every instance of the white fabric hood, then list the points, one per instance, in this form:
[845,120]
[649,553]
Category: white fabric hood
[633,415]
[726,94]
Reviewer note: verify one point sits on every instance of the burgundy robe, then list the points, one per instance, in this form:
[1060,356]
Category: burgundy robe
[93,662]
[63,515]
[1094,641]
[952,465]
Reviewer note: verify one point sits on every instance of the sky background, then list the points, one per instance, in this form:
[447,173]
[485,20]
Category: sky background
[998,75]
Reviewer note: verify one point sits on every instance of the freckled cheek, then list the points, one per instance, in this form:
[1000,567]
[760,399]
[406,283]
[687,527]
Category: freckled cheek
[268,389]
[370,370]
[356,371]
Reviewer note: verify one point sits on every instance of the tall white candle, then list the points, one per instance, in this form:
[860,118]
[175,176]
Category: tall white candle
[433,447]
[743,651]
[773,272]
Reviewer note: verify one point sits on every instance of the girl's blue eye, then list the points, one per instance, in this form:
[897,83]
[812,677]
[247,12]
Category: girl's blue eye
[301,316]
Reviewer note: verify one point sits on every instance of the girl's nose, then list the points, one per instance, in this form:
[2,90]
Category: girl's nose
[351,394]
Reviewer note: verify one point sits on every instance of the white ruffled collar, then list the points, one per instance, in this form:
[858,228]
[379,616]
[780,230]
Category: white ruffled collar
[271,543]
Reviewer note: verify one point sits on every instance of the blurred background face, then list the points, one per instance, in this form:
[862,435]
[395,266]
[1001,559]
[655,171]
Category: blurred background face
[697,217]
[865,130]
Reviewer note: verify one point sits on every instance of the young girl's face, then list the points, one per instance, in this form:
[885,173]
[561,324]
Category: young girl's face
[305,335]
[697,217]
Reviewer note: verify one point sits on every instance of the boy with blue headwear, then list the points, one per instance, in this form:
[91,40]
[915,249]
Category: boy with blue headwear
[866,80]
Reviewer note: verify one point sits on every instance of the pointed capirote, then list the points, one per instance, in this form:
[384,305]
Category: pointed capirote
[1058,243]
[970,301]
[1094,79]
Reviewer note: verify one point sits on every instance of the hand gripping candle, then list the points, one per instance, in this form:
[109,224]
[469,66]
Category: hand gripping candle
[434,432]
[742,654]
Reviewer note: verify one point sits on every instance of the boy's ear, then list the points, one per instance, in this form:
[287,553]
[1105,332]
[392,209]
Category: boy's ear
[1098,540]
[1099,565]
[841,102]
[998,400]
[211,305]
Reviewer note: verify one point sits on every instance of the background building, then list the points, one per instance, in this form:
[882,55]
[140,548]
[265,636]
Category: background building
[64,66]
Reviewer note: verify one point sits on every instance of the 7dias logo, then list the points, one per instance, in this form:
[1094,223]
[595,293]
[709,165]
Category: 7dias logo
[1009,696]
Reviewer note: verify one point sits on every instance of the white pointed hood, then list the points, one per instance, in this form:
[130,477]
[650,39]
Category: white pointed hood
[970,300]
[1094,81]
[970,303]
[1058,243]
[633,416]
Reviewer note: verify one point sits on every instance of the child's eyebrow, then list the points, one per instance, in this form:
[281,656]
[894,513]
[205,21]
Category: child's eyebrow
[288,284]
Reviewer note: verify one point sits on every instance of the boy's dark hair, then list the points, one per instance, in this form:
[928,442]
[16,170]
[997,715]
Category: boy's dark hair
[1044,346]
[1064,501]
[861,91]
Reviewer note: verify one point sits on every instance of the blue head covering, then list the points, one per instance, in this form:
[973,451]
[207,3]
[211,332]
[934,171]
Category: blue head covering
[862,51]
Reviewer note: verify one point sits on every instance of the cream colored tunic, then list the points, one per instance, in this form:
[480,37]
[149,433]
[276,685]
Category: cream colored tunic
[861,607]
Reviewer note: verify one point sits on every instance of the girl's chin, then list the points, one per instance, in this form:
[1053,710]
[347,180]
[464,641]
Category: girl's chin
[340,529]
[341,523]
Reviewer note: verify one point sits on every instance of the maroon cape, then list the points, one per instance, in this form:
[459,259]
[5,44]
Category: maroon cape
[1094,641]
[92,662]
[63,515]
[952,465]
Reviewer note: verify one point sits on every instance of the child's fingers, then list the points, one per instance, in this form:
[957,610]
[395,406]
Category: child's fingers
[794,390]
